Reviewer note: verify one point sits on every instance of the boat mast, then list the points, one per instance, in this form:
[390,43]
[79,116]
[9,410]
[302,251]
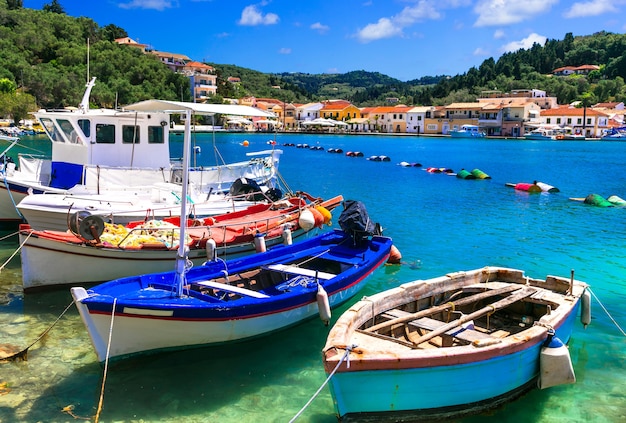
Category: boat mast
[181,256]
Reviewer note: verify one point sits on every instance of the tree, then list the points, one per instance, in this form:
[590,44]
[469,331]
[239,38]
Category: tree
[14,4]
[54,7]
[586,99]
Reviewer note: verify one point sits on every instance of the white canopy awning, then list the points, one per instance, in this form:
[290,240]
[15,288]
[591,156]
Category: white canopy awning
[198,108]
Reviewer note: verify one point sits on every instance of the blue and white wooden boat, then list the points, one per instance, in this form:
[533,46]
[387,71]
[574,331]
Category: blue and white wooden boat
[225,301]
[452,345]
[468,131]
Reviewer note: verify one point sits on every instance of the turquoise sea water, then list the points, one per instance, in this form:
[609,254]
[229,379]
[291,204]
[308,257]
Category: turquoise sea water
[439,223]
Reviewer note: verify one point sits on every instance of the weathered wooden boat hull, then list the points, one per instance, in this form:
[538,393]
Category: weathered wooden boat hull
[391,382]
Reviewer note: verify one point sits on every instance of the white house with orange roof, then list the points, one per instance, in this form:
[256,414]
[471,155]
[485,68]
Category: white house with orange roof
[176,62]
[390,119]
[308,111]
[202,78]
[588,122]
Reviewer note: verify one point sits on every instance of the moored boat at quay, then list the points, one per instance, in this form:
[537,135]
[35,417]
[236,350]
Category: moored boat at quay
[452,345]
[96,251]
[116,153]
[228,301]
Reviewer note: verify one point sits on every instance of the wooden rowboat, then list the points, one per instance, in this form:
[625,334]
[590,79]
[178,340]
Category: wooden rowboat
[452,345]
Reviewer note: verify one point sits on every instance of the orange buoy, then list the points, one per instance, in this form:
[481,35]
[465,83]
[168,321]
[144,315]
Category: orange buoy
[318,216]
[245,143]
[394,255]
[326,214]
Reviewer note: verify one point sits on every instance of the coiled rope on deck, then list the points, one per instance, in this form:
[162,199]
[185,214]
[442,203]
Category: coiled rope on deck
[346,357]
[607,313]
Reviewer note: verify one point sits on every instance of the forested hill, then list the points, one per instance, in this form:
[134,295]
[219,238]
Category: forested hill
[43,57]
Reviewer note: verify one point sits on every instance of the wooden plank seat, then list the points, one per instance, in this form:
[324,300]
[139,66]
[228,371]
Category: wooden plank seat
[233,289]
[295,270]
[468,335]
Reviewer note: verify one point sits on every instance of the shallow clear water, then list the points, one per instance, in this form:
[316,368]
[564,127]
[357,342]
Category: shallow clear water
[439,223]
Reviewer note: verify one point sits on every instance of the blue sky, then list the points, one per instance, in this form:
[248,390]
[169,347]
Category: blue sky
[405,39]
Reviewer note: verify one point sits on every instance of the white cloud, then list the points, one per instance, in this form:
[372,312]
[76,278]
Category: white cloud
[284,50]
[591,8]
[480,52]
[499,34]
[252,16]
[319,27]
[525,43]
[392,27]
[506,12]
[159,5]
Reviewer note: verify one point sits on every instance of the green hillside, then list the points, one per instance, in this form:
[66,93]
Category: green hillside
[43,63]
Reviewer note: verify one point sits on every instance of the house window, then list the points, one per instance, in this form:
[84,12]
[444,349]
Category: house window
[588,121]
[419,118]
[558,121]
[548,120]
[569,121]
[579,121]
[431,127]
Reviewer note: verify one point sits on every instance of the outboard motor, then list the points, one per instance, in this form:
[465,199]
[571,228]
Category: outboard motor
[247,188]
[355,221]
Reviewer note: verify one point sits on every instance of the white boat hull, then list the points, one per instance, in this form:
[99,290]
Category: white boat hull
[145,332]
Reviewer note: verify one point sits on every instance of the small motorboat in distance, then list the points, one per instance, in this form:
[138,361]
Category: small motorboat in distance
[452,345]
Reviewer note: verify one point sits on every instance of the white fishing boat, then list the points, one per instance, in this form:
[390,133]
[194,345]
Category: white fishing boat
[115,153]
[94,251]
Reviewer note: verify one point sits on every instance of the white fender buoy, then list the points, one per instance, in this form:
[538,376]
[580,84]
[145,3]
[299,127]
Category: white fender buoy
[306,220]
[323,305]
[259,243]
[211,250]
[287,239]
[585,312]
[555,364]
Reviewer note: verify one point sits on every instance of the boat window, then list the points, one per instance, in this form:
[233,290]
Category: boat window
[48,126]
[105,134]
[69,131]
[156,135]
[85,126]
[130,134]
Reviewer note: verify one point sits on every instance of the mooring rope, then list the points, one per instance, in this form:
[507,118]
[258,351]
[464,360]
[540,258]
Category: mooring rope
[607,312]
[25,350]
[346,357]
[15,252]
[9,236]
[106,363]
